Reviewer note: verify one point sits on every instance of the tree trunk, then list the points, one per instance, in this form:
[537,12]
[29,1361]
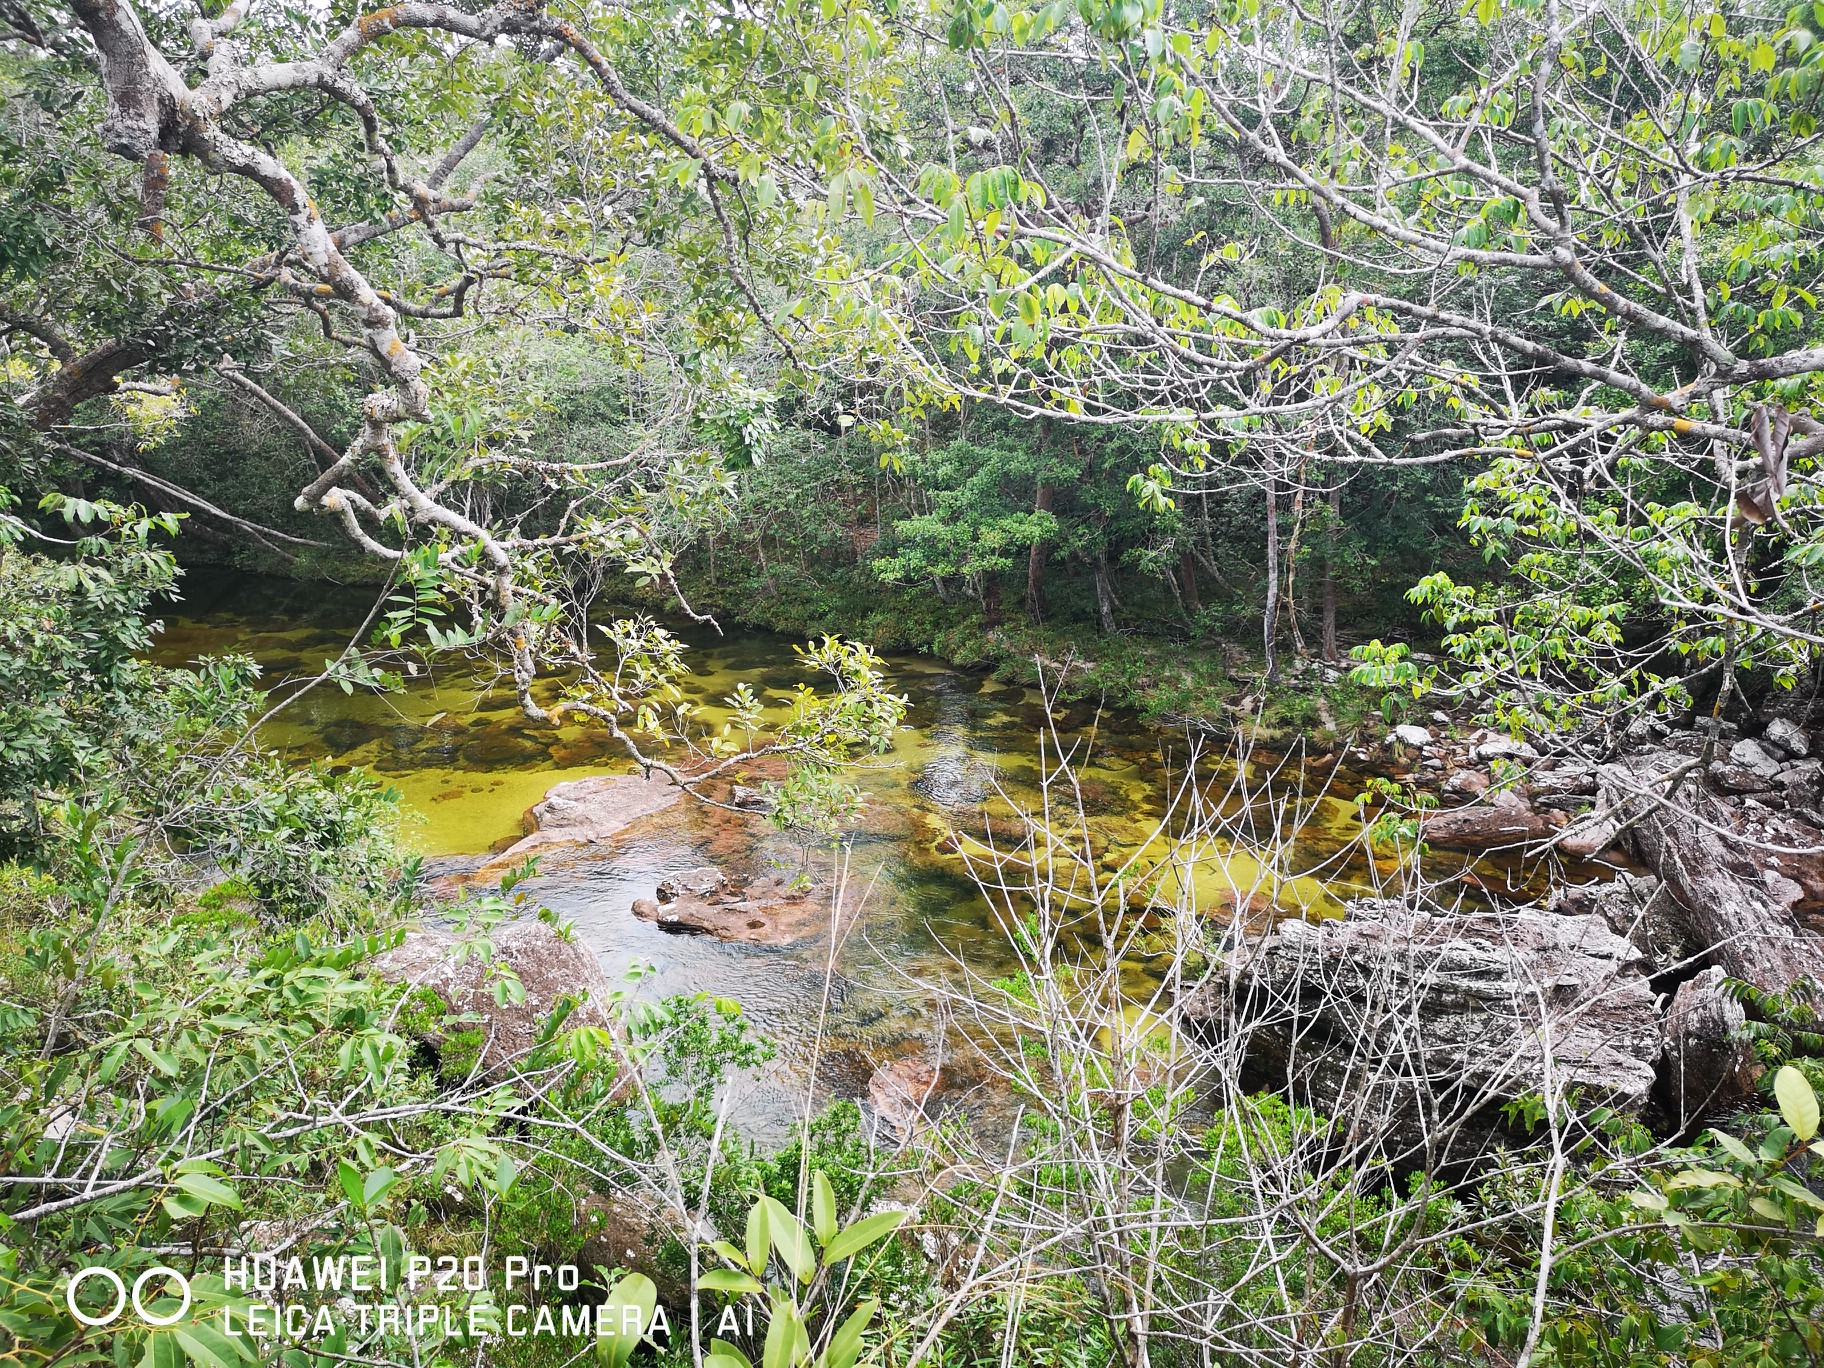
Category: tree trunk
[1298,528]
[1035,563]
[1105,594]
[991,599]
[1336,523]
[1729,909]
[1270,621]
[1187,582]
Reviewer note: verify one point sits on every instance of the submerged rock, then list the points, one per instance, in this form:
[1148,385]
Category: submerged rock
[1414,1029]
[899,1091]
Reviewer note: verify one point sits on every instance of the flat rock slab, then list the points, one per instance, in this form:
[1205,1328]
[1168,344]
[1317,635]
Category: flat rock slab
[1416,1028]
[574,812]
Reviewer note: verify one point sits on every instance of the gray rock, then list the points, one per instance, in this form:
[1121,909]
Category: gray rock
[697,883]
[1756,759]
[1440,718]
[549,967]
[1567,779]
[1800,773]
[1645,731]
[1709,1067]
[1413,738]
[1466,783]
[1789,736]
[1504,748]
[1414,1028]
[1637,908]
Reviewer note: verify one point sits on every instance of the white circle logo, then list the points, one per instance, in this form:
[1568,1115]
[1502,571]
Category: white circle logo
[108,1274]
[139,1287]
[121,1296]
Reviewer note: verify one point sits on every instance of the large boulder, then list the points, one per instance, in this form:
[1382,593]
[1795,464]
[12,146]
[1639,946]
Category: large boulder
[1639,909]
[1414,1029]
[548,966]
[1709,1066]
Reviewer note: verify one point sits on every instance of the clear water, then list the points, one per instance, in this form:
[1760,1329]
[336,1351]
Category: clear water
[468,765]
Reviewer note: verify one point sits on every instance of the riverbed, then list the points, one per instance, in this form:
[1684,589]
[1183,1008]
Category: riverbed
[467,765]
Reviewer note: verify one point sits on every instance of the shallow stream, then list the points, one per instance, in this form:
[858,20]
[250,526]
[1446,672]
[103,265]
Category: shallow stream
[467,765]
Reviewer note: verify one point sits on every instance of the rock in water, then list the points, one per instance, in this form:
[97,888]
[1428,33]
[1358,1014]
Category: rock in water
[697,883]
[548,967]
[898,1092]
[767,911]
[1507,819]
[1413,1029]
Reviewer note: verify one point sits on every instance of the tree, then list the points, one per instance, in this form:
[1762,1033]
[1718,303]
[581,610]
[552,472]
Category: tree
[1576,246]
[425,200]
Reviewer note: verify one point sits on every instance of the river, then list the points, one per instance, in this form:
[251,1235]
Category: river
[467,765]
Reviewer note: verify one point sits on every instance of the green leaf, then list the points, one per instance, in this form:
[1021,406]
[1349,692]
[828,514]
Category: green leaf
[786,1341]
[845,1344]
[162,1351]
[722,1354]
[1798,1103]
[823,1208]
[381,1181]
[207,1345]
[731,1280]
[789,1239]
[211,1190]
[863,1233]
[615,1341]
[757,1238]
[1737,1150]
[350,1177]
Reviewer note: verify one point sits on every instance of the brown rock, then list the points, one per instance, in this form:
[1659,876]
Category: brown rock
[1507,819]
[635,1234]
[766,912]
[548,966]
[899,1091]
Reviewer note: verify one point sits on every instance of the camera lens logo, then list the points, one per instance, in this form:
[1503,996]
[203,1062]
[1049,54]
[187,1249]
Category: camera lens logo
[122,1297]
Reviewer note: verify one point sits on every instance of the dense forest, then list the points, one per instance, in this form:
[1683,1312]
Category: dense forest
[966,682]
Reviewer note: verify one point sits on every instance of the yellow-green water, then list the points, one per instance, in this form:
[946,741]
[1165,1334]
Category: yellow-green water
[468,764]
